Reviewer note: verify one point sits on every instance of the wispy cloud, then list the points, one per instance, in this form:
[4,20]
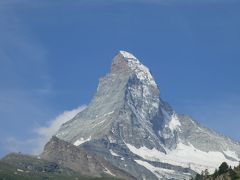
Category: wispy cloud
[46,132]
[41,135]
[24,77]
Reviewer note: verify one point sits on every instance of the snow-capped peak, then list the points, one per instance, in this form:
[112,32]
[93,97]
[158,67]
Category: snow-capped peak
[128,114]
[142,72]
[128,55]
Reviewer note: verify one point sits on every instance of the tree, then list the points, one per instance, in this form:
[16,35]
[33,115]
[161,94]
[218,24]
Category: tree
[232,174]
[206,172]
[199,177]
[215,174]
[223,168]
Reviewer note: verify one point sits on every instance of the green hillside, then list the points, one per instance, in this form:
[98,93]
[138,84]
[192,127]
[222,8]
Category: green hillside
[23,167]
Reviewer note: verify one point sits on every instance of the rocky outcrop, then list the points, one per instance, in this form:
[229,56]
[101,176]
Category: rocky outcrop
[77,159]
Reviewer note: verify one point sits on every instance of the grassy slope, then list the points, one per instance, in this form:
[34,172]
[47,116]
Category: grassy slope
[22,167]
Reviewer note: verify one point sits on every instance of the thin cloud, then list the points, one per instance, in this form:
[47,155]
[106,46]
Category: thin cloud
[42,134]
[22,58]
[46,132]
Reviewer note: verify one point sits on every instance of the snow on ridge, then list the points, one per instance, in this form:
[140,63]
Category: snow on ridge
[103,116]
[142,71]
[159,172]
[185,156]
[231,154]
[107,114]
[81,141]
[106,170]
[173,120]
[174,123]
[101,122]
[127,55]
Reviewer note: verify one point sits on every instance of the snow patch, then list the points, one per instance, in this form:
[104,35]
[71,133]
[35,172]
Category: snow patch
[113,153]
[174,123]
[173,120]
[107,114]
[231,154]
[81,141]
[106,170]
[186,156]
[99,123]
[142,72]
[127,55]
[159,172]
[111,139]
[20,170]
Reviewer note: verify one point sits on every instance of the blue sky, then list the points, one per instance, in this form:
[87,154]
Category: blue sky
[52,54]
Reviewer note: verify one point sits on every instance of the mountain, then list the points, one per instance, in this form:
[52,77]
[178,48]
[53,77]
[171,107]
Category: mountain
[128,131]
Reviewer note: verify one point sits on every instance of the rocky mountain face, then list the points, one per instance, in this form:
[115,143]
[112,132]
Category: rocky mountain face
[128,131]
[68,155]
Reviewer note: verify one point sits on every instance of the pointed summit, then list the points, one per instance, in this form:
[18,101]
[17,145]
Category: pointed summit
[128,55]
[125,62]
[129,90]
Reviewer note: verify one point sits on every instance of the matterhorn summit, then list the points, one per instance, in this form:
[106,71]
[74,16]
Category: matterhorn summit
[128,131]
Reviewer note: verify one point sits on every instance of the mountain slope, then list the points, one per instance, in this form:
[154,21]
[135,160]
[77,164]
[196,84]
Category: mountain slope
[132,128]
[18,166]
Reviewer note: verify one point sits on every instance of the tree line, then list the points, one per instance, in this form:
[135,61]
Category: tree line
[223,172]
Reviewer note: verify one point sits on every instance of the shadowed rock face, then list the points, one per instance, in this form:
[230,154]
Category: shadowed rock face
[129,126]
[68,155]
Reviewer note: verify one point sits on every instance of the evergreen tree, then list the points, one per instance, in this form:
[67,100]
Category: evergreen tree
[223,168]
[232,174]
[215,174]
[199,177]
[206,172]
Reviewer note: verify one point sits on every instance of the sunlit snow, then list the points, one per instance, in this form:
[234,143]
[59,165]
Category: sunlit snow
[81,141]
[113,153]
[106,170]
[159,172]
[128,55]
[142,71]
[231,154]
[185,156]
[173,120]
